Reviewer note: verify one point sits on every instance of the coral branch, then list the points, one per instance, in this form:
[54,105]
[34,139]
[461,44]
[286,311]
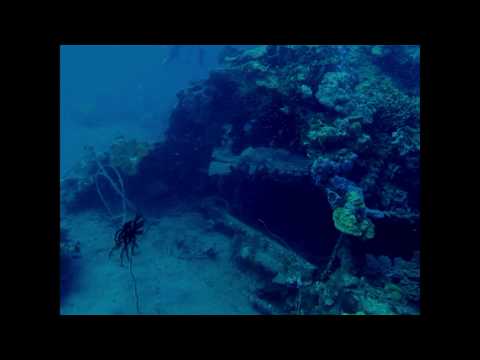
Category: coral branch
[120,191]
[332,258]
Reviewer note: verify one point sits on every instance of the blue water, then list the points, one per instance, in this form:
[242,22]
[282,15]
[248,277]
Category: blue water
[107,91]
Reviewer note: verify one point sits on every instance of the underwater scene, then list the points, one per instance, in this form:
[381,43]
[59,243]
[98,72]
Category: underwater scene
[239,180]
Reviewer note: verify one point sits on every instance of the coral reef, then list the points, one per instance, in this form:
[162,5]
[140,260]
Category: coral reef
[398,276]
[334,90]
[312,140]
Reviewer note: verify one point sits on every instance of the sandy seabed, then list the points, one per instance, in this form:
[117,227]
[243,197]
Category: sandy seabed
[172,276]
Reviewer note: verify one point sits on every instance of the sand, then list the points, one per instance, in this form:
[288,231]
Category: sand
[169,280]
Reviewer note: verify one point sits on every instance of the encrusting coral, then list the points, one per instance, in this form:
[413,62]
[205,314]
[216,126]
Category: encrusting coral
[127,154]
